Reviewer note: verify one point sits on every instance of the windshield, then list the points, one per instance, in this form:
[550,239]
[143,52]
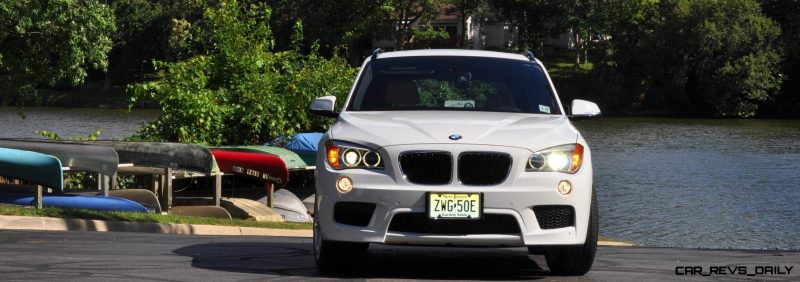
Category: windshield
[454,83]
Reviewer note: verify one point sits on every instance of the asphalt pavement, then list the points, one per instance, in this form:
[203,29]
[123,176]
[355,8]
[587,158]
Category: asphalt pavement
[127,256]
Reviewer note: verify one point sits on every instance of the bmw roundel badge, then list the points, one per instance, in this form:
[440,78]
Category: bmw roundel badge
[455,137]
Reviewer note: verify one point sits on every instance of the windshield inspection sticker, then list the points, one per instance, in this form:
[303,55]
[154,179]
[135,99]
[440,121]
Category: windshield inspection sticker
[544,109]
[459,104]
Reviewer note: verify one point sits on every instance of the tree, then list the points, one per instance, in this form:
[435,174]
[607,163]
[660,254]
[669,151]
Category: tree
[537,20]
[336,26]
[239,90]
[695,57]
[43,42]
[464,9]
[150,30]
[787,14]
[405,15]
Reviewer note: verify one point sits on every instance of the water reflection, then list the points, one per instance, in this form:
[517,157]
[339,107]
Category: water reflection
[113,123]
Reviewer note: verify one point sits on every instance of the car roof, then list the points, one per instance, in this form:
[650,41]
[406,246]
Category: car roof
[452,52]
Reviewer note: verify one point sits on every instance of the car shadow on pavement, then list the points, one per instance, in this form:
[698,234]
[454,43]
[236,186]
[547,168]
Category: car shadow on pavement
[296,260]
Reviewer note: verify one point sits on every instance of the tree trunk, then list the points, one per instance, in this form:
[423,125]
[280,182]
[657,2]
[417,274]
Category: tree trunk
[541,47]
[107,81]
[577,47]
[463,44]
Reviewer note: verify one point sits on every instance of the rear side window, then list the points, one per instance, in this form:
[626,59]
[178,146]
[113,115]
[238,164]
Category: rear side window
[454,83]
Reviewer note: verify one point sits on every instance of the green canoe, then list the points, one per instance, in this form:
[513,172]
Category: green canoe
[32,167]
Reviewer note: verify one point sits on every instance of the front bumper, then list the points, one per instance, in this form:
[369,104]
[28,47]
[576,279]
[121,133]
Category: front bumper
[392,195]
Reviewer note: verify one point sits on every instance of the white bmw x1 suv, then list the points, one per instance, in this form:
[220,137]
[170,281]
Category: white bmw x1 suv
[455,148]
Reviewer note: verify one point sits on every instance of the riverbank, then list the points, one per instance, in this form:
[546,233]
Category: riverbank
[90,95]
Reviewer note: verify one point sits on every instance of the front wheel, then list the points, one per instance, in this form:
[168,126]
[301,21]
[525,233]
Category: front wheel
[331,256]
[576,260]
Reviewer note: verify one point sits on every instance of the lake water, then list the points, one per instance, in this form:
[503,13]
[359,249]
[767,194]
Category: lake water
[112,123]
[698,183]
[660,182]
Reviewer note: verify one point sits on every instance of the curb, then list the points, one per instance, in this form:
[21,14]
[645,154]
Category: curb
[13,222]
[61,224]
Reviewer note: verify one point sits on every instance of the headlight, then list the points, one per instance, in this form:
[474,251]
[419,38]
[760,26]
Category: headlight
[564,158]
[342,155]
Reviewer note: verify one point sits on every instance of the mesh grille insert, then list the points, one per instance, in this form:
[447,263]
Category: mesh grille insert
[483,168]
[551,217]
[427,168]
[488,224]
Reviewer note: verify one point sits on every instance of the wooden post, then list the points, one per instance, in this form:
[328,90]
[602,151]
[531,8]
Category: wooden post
[114,181]
[217,188]
[162,186]
[103,179]
[155,184]
[270,194]
[99,177]
[38,196]
[167,189]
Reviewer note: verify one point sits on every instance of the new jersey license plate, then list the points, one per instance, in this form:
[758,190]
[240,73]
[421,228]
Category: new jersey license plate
[454,205]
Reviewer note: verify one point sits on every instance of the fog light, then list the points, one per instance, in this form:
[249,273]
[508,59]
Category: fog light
[564,187]
[344,184]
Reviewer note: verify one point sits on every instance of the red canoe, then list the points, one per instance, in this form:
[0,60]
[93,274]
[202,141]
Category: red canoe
[269,168]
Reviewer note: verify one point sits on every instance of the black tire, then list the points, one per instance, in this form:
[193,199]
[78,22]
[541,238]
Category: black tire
[536,250]
[331,256]
[576,260]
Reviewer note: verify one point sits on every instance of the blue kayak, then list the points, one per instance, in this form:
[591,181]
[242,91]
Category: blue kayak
[32,167]
[69,201]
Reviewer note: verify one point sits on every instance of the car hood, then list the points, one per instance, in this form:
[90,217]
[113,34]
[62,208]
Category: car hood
[391,128]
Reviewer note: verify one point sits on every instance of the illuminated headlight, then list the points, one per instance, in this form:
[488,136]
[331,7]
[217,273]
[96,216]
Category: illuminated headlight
[342,155]
[564,158]
[352,157]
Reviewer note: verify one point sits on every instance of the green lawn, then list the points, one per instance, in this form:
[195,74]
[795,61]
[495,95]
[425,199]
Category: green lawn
[143,217]
[562,65]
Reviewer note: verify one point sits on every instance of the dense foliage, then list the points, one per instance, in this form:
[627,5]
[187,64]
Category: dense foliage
[700,57]
[243,72]
[44,42]
[240,90]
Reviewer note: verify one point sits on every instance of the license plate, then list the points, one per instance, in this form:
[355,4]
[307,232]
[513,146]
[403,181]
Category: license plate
[455,205]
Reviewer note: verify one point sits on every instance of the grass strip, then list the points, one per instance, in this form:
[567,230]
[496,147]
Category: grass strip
[143,217]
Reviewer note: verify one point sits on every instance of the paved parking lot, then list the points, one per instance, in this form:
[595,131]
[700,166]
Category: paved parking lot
[87,256]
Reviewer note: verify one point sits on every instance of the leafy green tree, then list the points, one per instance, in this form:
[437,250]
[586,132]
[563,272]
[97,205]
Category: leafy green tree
[43,42]
[694,57]
[332,24]
[239,90]
[787,14]
[150,30]
[406,15]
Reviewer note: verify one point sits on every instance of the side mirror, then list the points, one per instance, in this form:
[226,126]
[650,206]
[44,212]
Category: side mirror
[323,106]
[582,109]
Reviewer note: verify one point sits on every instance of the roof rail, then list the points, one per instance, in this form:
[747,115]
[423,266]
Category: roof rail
[529,55]
[376,52]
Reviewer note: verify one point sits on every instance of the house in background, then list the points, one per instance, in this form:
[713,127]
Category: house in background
[489,34]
